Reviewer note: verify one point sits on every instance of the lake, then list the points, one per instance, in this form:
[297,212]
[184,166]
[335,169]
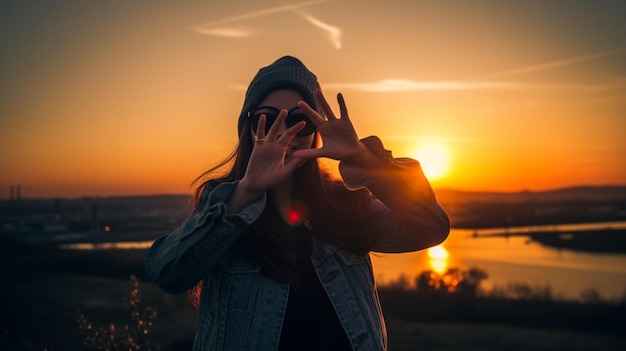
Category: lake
[516,259]
[506,259]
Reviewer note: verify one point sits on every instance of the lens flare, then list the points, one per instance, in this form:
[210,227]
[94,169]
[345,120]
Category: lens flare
[295,213]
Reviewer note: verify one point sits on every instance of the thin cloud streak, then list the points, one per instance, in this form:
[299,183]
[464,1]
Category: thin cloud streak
[334,33]
[404,85]
[553,64]
[227,32]
[432,139]
[207,30]
[399,85]
[214,29]
[590,87]
[394,85]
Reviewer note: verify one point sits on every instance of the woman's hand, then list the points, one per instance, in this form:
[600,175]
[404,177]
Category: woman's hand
[340,141]
[269,164]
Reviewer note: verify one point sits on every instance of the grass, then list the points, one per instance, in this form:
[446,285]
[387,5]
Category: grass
[53,296]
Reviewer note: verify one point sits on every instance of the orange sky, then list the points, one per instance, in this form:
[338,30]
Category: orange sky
[117,97]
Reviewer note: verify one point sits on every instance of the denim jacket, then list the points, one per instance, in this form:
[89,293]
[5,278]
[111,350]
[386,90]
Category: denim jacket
[242,309]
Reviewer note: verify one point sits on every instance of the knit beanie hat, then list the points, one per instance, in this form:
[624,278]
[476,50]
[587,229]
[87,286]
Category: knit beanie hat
[285,73]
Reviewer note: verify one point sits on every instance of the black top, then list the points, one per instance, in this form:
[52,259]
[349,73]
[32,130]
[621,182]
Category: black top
[310,322]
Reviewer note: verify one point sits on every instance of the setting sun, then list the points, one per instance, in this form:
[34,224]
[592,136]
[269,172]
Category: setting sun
[438,252]
[433,160]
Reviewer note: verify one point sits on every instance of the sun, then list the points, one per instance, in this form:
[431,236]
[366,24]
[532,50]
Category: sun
[438,253]
[434,161]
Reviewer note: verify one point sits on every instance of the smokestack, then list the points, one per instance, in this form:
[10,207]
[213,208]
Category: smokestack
[11,193]
[95,218]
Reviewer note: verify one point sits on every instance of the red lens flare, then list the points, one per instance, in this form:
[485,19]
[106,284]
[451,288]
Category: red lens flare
[295,213]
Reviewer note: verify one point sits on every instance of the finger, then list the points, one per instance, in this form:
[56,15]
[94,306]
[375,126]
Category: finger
[324,104]
[313,115]
[280,120]
[291,132]
[342,107]
[309,153]
[260,128]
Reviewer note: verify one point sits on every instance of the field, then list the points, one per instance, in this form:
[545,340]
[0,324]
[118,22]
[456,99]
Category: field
[48,290]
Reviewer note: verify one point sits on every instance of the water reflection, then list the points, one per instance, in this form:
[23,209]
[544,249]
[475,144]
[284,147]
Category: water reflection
[125,245]
[508,259]
[438,259]
[540,228]
[504,259]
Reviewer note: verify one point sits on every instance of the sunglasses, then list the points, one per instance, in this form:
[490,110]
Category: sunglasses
[271,114]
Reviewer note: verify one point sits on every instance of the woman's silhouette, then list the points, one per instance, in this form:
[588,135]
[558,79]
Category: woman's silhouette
[278,249]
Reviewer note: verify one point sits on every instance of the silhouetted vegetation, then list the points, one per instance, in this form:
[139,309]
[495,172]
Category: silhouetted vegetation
[134,335]
[457,296]
[607,240]
[46,286]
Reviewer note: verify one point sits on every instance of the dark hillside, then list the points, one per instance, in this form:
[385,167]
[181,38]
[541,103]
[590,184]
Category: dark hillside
[559,206]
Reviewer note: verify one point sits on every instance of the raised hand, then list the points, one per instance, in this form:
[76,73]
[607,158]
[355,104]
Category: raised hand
[269,164]
[340,141]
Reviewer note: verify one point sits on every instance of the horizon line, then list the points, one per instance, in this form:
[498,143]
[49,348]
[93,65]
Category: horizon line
[435,188]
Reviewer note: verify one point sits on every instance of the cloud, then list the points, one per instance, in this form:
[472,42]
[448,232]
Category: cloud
[447,139]
[394,85]
[260,13]
[334,33]
[399,85]
[215,28]
[405,85]
[227,32]
[553,64]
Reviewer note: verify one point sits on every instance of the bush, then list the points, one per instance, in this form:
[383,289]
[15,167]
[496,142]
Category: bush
[132,336]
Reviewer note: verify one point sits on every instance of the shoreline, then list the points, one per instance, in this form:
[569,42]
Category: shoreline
[47,318]
[601,241]
[606,239]
[47,287]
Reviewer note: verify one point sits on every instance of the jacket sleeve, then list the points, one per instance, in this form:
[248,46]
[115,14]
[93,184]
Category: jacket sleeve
[179,260]
[404,212]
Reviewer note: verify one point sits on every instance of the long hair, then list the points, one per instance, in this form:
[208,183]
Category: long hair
[335,213]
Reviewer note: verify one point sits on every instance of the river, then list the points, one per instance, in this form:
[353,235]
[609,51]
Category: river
[516,259]
[512,259]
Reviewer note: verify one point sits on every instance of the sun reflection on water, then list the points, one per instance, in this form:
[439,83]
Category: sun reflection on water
[131,245]
[438,259]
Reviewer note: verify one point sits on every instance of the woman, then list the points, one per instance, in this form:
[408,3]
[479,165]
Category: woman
[281,251]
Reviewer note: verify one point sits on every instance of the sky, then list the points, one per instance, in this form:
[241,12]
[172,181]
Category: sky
[101,98]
